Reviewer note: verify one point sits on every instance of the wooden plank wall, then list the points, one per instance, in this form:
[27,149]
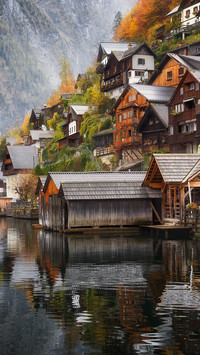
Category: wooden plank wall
[109,213]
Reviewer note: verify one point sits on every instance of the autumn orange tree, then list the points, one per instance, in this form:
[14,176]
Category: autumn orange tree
[67,84]
[140,23]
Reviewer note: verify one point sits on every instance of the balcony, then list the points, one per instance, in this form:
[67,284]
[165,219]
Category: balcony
[112,85]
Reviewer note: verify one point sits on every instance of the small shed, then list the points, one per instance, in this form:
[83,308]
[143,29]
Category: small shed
[107,203]
[54,204]
[171,173]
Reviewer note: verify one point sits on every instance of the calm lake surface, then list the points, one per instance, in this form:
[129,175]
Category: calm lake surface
[97,294]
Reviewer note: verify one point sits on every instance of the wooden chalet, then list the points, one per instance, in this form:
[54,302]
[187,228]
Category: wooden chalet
[71,200]
[171,173]
[48,112]
[36,118]
[184,115]
[154,128]
[172,68]
[72,126]
[18,160]
[129,109]
[106,48]
[134,65]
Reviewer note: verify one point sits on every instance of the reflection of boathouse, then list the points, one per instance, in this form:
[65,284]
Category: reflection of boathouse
[74,200]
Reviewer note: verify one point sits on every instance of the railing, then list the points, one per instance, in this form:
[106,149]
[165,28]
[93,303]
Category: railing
[191,217]
[104,151]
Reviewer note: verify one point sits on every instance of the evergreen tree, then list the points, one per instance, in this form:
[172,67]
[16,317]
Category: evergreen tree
[117,20]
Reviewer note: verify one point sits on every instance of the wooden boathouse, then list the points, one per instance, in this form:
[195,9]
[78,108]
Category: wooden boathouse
[178,178]
[97,199]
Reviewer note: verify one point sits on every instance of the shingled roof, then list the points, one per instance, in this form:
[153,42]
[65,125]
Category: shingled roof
[97,176]
[23,157]
[173,167]
[159,94]
[107,190]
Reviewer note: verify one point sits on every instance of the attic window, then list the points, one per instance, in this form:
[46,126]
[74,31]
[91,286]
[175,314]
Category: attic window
[141,61]
[169,75]
[181,71]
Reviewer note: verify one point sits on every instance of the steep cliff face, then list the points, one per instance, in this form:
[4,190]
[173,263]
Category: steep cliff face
[34,34]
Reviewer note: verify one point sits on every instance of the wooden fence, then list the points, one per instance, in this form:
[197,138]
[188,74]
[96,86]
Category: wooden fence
[22,209]
[191,217]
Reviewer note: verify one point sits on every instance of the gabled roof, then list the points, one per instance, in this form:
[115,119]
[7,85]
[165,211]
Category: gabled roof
[161,94]
[104,132]
[160,111]
[40,184]
[194,73]
[173,11]
[107,190]
[39,134]
[135,49]
[193,172]
[172,167]
[189,62]
[79,109]
[105,176]
[23,157]
[105,48]
[154,94]
[35,113]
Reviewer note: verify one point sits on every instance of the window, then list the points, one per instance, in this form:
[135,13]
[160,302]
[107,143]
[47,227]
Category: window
[181,90]
[197,86]
[181,71]
[119,118]
[129,132]
[187,14]
[191,86]
[155,140]
[139,73]
[124,115]
[195,9]
[131,98]
[134,113]
[116,137]
[129,73]
[130,114]
[171,130]
[141,61]
[169,75]
[179,108]
[151,121]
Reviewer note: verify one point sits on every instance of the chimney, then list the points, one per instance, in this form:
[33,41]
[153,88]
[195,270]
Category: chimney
[129,46]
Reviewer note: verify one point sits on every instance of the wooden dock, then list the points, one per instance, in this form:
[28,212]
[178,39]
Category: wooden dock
[167,230]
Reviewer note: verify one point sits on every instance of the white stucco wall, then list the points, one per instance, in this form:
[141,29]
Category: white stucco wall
[192,19]
[149,62]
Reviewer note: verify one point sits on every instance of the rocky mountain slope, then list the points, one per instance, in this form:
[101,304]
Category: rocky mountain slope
[34,34]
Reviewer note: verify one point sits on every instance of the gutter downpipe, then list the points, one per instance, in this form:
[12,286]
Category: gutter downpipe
[189,189]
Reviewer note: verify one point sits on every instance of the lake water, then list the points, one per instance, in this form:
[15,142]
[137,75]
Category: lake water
[97,294]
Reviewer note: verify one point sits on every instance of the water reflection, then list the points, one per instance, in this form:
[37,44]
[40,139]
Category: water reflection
[90,294]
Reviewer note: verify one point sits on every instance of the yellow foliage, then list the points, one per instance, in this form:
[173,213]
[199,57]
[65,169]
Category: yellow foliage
[65,87]
[25,124]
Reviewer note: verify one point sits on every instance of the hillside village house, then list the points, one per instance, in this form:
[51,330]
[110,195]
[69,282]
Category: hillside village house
[172,68]
[71,127]
[40,138]
[154,128]
[134,65]
[184,115]
[129,109]
[17,162]
[188,16]
[36,118]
